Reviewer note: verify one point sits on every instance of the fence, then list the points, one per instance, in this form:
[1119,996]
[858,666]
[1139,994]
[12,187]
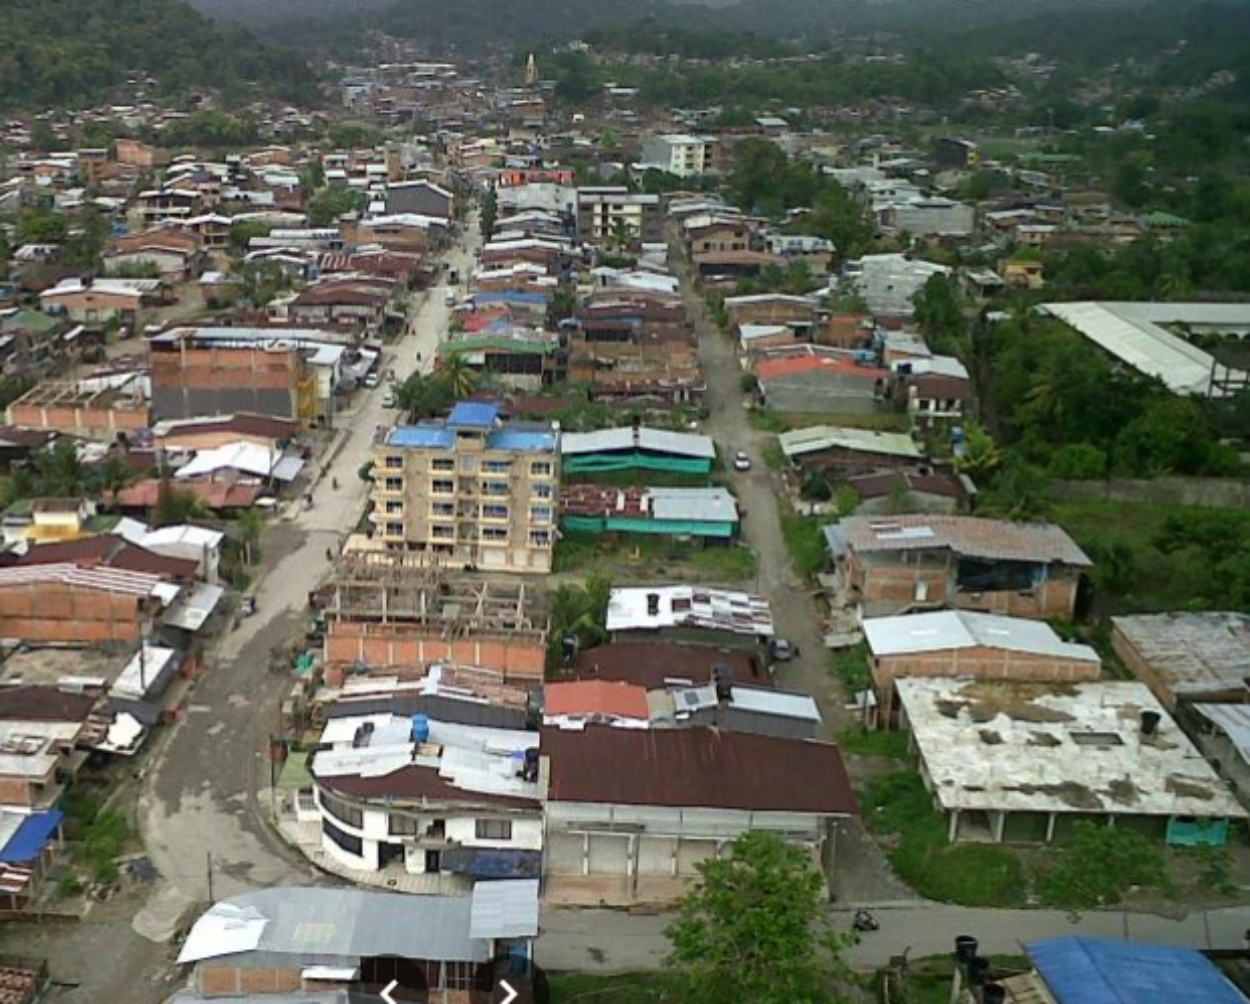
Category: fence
[1219,493]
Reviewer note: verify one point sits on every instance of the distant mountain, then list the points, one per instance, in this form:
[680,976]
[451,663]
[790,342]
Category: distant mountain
[56,53]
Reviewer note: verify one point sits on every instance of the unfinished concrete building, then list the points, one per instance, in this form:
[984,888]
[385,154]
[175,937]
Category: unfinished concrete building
[393,613]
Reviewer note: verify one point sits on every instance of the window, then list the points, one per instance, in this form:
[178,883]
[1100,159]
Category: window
[542,491]
[394,484]
[498,489]
[541,469]
[442,465]
[540,538]
[394,463]
[493,829]
[443,532]
[404,826]
[442,487]
[496,534]
[540,514]
[353,845]
[461,975]
[496,466]
[342,810]
[394,508]
[444,509]
[394,529]
[490,511]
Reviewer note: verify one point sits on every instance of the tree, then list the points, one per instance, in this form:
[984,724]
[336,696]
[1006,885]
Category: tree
[490,212]
[327,205]
[748,932]
[175,506]
[981,456]
[251,525]
[940,314]
[424,396]
[459,376]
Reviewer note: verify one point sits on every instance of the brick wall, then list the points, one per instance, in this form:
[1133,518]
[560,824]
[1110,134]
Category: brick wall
[14,791]
[234,981]
[47,612]
[521,660]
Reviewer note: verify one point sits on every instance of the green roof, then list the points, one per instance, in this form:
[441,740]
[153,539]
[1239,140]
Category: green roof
[499,344]
[1164,220]
[30,320]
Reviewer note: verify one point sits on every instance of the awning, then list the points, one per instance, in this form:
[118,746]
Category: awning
[35,833]
[193,609]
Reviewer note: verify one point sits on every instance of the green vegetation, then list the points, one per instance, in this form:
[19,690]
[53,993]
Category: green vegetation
[803,539]
[580,612]
[890,743]
[898,806]
[1100,865]
[70,52]
[928,980]
[101,834]
[638,555]
[850,665]
[630,988]
[333,201]
[1155,557]
[747,931]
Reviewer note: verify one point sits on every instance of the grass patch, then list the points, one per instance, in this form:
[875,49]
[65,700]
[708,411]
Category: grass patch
[890,743]
[763,420]
[898,808]
[804,540]
[580,552]
[851,667]
[630,988]
[1100,865]
[773,456]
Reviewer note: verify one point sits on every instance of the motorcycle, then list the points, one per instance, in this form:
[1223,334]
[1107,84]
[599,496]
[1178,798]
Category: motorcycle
[863,922]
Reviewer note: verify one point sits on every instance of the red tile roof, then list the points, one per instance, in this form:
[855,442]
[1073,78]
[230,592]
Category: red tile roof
[214,494]
[697,768]
[768,369]
[595,697]
[108,550]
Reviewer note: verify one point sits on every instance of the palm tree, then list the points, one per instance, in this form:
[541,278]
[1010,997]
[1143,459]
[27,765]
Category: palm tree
[59,471]
[251,525]
[460,378]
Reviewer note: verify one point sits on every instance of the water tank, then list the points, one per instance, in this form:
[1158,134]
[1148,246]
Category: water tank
[993,993]
[1150,722]
[965,948]
[978,971]
[420,729]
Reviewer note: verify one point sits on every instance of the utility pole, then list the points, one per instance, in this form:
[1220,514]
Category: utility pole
[210,877]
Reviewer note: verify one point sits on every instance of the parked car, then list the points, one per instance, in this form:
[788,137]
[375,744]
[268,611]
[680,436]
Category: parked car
[389,401]
[780,650]
[372,379]
[741,461]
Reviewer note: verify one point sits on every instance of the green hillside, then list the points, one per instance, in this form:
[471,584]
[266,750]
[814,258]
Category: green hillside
[58,53]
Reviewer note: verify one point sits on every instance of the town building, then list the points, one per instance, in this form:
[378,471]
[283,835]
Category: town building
[635,448]
[681,154]
[630,812]
[958,643]
[846,452]
[890,564]
[1016,762]
[308,940]
[1187,657]
[609,213]
[469,491]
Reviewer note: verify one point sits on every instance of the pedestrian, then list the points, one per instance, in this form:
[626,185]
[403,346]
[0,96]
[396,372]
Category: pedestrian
[329,554]
[797,651]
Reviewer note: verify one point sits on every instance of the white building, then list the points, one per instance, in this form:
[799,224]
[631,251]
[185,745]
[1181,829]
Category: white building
[682,154]
[887,282]
[423,797]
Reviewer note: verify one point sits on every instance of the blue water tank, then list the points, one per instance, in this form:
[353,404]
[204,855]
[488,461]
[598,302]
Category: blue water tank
[420,729]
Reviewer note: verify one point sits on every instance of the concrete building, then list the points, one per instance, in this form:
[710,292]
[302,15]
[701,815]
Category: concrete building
[95,302]
[1025,762]
[890,564]
[887,282]
[603,213]
[931,216]
[63,603]
[421,197]
[200,372]
[953,643]
[420,797]
[1187,657]
[681,154]
[630,813]
[469,491]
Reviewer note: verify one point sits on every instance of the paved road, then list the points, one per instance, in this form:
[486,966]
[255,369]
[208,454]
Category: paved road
[608,941]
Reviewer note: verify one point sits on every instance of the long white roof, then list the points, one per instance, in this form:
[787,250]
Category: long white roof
[684,444]
[1137,334]
[953,629]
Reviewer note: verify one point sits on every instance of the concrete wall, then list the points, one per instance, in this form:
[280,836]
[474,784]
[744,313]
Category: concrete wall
[91,423]
[196,382]
[1216,493]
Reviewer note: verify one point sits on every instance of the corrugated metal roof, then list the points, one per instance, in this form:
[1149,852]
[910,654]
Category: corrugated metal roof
[1231,719]
[711,505]
[1081,970]
[319,925]
[697,768]
[827,437]
[954,629]
[996,539]
[1193,652]
[683,444]
[504,909]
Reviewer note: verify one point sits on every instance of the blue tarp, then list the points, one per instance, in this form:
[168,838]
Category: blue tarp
[28,842]
[474,414]
[421,436]
[483,863]
[509,297]
[1108,971]
[522,440]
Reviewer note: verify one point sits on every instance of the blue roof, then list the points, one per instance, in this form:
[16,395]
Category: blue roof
[474,415]
[29,839]
[522,440]
[508,297]
[438,436]
[1107,971]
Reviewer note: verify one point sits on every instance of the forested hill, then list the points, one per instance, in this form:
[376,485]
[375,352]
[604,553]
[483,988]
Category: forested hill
[59,53]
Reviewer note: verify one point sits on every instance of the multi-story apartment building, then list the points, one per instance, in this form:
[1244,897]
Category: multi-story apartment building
[469,491]
[612,211]
[680,154]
